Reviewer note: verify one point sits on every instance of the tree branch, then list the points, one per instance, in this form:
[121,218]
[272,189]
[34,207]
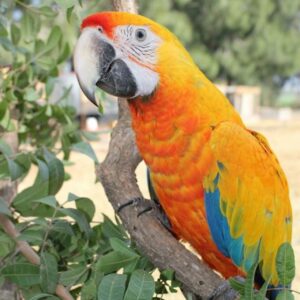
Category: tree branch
[117,176]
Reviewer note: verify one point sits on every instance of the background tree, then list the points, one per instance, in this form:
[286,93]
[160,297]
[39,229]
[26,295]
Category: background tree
[241,42]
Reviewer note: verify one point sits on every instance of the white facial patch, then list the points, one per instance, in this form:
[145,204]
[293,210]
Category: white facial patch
[146,79]
[137,46]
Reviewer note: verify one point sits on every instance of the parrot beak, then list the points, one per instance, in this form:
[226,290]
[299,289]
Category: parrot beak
[96,63]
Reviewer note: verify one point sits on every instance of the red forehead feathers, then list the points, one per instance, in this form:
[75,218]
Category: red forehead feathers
[104,20]
[108,20]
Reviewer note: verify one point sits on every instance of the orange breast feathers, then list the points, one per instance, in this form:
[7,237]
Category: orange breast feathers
[172,133]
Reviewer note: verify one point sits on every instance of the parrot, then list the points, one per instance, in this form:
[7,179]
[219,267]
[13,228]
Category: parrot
[219,183]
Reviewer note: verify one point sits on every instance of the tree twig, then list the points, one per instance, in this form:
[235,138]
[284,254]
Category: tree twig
[29,253]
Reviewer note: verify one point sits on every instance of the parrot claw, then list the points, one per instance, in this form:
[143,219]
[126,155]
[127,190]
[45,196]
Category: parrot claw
[133,202]
[147,206]
[140,202]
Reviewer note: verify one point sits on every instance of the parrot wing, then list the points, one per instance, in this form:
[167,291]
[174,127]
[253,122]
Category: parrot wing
[246,199]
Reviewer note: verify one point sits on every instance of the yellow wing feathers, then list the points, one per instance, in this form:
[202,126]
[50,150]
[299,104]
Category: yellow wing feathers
[254,194]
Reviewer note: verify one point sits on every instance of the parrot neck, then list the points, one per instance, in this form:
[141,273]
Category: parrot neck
[189,103]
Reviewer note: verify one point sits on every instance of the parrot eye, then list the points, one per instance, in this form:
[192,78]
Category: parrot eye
[100,29]
[140,34]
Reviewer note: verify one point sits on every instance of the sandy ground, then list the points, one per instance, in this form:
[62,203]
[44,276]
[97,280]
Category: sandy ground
[284,138]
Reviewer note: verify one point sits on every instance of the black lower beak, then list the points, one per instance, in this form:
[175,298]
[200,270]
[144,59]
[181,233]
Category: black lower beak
[117,80]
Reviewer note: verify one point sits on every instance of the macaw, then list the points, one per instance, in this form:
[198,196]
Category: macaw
[219,183]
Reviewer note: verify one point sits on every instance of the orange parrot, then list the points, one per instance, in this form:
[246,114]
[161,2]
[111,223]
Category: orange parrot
[219,183]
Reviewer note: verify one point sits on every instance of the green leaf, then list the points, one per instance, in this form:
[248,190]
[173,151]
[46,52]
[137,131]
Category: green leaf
[49,200]
[47,11]
[111,230]
[53,39]
[15,34]
[4,172]
[31,95]
[61,226]
[65,3]
[72,197]
[23,160]
[249,283]
[6,122]
[69,13]
[15,170]
[3,109]
[90,136]
[86,149]
[112,287]
[114,261]
[49,86]
[89,290]
[7,44]
[22,274]
[79,217]
[28,26]
[87,207]
[3,30]
[5,148]
[33,237]
[141,286]
[4,207]
[285,264]
[56,172]
[237,285]
[7,244]
[48,272]
[167,274]
[121,246]
[45,62]
[74,276]
[39,46]
[285,295]
[64,54]
[37,191]
[43,296]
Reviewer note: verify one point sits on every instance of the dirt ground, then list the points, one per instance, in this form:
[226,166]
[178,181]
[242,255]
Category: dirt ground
[284,139]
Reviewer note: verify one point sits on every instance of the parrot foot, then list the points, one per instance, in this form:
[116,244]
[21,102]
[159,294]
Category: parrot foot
[145,206]
[140,203]
[134,202]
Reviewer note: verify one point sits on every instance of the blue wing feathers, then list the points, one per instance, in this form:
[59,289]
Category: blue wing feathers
[219,227]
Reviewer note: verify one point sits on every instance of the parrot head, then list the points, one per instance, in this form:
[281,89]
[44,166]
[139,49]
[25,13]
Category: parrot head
[126,55]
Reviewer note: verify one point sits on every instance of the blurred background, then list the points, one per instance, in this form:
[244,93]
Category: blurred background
[248,48]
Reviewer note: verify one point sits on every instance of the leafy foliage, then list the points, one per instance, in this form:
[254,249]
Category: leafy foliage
[92,260]
[285,266]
